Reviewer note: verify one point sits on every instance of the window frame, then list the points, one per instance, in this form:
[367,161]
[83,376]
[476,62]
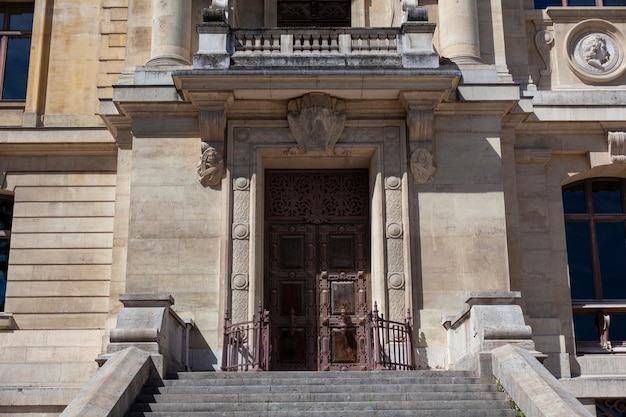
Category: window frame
[598,306]
[5,234]
[6,35]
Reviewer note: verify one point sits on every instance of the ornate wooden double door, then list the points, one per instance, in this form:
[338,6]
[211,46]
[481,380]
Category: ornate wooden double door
[316,228]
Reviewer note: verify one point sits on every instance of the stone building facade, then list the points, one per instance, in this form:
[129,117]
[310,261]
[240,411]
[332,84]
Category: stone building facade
[165,162]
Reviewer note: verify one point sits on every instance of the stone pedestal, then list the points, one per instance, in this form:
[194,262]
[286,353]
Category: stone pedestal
[147,322]
[491,320]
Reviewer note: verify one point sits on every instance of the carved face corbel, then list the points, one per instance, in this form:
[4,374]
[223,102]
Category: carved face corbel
[211,166]
[212,130]
[316,121]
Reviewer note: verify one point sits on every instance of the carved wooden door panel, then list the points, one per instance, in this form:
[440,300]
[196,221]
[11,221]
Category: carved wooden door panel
[291,286]
[316,221]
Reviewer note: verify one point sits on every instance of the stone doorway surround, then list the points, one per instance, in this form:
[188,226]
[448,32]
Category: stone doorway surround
[376,145]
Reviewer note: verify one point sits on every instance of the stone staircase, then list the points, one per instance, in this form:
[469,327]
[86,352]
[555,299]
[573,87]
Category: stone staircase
[338,394]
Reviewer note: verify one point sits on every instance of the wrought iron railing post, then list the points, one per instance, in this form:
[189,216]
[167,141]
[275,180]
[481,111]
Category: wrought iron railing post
[265,345]
[378,365]
[409,339]
[226,343]
[257,323]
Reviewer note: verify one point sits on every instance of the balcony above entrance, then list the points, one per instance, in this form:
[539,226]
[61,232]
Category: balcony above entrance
[222,47]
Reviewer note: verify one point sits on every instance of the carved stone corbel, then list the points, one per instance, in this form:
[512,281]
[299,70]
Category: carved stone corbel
[617,147]
[421,124]
[212,125]
[316,121]
[211,166]
[421,133]
[422,166]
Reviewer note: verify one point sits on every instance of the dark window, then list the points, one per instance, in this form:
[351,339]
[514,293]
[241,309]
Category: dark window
[314,13]
[542,4]
[595,228]
[6,221]
[15,39]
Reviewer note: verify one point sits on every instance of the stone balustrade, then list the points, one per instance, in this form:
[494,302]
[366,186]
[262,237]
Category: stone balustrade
[409,46]
[315,41]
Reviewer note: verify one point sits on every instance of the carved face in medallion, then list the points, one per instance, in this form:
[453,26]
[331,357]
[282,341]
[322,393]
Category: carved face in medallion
[595,51]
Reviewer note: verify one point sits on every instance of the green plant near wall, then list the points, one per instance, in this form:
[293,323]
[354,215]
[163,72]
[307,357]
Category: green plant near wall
[514,406]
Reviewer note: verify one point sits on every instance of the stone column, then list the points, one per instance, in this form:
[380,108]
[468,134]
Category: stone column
[458,31]
[171,32]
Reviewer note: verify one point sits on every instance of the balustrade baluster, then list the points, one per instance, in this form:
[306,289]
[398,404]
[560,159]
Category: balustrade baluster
[297,44]
[333,45]
[316,44]
[275,43]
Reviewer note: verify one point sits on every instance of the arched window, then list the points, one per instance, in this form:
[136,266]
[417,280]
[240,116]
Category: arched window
[595,226]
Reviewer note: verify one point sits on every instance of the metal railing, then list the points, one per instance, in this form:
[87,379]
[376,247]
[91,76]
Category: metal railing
[246,344]
[391,343]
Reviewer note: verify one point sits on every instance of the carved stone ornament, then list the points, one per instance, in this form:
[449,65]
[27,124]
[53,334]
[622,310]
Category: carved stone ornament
[316,121]
[596,51]
[422,166]
[211,166]
[544,41]
[617,147]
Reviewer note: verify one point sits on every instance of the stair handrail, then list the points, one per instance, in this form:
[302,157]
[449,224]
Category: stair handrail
[397,337]
[246,344]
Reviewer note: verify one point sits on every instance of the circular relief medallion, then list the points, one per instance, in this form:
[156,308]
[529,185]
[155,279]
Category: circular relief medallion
[396,280]
[595,51]
[240,231]
[240,281]
[242,184]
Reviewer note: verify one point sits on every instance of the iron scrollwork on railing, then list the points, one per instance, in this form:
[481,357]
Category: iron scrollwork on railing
[392,343]
[380,344]
[246,344]
[611,407]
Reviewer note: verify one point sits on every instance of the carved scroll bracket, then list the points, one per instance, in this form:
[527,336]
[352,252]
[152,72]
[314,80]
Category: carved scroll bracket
[316,121]
[544,41]
[421,124]
[212,125]
[617,147]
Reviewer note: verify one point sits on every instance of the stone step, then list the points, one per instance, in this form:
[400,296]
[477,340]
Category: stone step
[340,395]
[298,407]
[290,381]
[321,394]
[334,413]
[321,388]
[323,375]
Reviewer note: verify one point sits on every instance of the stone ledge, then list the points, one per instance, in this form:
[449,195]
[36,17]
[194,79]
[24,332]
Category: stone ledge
[597,386]
[7,322]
